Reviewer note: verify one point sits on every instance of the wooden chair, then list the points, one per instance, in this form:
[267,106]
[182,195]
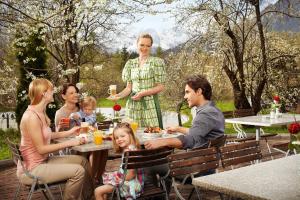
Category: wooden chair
[142,159]
[235,154]
[282,147]
[242,136]
[187,164]
[228,114]
[218,142]
[287,148]
[37,183]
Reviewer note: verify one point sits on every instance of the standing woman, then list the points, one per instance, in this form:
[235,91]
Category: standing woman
[70,94]
[35,147]
[145,77]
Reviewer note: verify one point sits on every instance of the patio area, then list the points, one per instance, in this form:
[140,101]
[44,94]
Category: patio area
[8,179]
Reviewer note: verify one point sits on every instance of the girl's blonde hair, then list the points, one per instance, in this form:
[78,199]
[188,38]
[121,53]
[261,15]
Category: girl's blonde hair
[87,101]
[133,140]
[37,89]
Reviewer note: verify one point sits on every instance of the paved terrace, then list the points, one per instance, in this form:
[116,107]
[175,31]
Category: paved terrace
[9,181]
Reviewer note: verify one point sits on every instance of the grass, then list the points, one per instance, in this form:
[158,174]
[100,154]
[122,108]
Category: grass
[225,105]
[103,102]
[13,135]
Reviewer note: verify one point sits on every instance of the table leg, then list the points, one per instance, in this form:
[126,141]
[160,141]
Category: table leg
[257,132]
[98,161]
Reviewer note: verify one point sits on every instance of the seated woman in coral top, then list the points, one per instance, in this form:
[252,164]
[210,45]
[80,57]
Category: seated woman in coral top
[35,147]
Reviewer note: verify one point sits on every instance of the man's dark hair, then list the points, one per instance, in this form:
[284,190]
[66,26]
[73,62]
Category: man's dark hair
[198,81]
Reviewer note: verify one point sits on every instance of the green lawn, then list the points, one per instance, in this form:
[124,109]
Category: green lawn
[103,102]
[225,105]
[13,135]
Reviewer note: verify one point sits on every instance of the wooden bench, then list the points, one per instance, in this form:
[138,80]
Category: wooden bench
[234,154]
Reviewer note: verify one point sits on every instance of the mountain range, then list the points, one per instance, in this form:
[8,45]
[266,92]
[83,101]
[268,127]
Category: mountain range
[283,23]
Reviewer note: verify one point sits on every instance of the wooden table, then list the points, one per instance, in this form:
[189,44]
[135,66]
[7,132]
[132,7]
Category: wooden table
[264,121]
[100,152]
[277,180]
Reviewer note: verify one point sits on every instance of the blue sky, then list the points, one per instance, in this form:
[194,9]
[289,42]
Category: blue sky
[161,27]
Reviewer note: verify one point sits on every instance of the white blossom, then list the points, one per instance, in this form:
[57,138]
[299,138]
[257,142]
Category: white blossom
[79,85]
[98,67]
[51,106]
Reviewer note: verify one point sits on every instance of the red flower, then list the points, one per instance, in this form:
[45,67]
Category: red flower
[117,107]
[276,98]
[294,128]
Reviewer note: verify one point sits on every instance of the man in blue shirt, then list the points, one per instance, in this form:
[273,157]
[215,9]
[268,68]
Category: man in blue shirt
[208,123]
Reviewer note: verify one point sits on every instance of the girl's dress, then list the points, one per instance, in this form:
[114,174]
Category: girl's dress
[130,189]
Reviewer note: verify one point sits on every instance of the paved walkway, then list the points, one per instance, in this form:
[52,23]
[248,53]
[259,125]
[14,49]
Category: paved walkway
[8,180]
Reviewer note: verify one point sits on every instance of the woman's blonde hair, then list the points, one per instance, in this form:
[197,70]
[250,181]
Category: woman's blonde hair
[145,35]
[133,140]
[37,88]
[88,101]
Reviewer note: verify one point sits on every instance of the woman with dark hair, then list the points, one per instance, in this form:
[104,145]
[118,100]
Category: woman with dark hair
[70,95]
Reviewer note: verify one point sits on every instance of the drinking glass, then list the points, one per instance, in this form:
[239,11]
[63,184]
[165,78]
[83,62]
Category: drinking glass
[134,126]
[112,90]
[84,127]
[98,139]
[65,122]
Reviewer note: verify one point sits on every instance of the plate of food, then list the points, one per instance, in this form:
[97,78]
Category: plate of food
[152,132]
[107,136]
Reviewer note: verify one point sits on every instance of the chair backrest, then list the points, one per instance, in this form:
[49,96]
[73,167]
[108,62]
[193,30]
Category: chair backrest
[145,158]
[17,157]
[218,142]
[195,161]
[243,112]
[228,114]
[14,148]
[234,154]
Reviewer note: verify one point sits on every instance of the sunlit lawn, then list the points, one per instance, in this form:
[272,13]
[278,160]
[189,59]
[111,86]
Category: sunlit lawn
[103,102]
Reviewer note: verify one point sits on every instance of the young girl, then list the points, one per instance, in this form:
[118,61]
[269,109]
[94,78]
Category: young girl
[86,113]
[123,140]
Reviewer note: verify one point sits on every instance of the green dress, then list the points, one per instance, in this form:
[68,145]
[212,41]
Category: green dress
[143,78]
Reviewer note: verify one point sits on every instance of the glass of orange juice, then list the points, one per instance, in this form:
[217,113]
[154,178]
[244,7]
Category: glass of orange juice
[98,139]
[65,122]
[134,126]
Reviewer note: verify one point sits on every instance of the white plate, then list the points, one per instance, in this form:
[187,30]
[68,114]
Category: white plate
[87,137]
[168,135]
[151,135]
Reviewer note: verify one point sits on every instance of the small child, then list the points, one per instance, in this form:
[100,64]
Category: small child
[86,114]
[123,140]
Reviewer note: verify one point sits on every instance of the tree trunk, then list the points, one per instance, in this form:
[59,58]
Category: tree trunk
[256,99]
